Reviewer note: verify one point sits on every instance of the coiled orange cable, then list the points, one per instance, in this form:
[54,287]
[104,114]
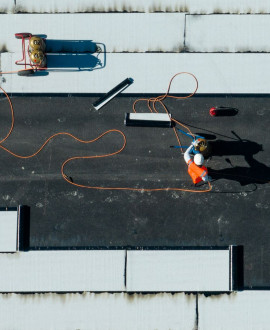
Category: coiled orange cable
[66,178]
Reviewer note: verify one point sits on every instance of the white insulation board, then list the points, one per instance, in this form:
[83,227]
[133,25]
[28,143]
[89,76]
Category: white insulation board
[7,6]
[62,271]
[8,231]
[178,270]
[247,310]
[216,73]
[227,33]
[97,311]
[190,6]
[118,32]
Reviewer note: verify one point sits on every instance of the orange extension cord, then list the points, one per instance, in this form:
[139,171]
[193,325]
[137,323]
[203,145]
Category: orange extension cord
[152,107]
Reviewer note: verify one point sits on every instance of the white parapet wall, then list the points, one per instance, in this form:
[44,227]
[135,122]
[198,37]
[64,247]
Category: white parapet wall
[97,311]
[216,73]
[227,33]
[191,6]
[242,310]
[118,32]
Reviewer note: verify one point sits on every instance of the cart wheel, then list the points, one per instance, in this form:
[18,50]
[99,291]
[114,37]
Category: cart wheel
[26,72]
[23,35]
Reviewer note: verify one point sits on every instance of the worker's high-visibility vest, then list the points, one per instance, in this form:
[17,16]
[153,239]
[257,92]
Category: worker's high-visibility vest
[196,173]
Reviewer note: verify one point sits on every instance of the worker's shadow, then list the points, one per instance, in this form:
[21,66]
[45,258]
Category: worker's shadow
[254,172]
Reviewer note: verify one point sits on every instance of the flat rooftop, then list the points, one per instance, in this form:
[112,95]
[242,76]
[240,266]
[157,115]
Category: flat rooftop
[236,211]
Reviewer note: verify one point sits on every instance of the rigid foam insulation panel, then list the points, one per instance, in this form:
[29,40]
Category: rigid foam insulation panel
[97,311]
[62,271]
[242,310]
[117,32]
[189,6]
[179,270]
[7,6]
[227,33]
[8,231]
[216,73]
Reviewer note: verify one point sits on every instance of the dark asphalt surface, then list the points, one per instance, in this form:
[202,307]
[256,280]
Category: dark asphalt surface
[235,212]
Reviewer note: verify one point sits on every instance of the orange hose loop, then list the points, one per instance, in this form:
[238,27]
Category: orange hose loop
[12,116]
[151,102]
[66,178]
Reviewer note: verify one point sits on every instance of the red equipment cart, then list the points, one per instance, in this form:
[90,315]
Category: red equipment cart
[33,52]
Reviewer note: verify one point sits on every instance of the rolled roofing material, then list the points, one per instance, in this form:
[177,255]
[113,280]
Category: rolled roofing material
[112,93]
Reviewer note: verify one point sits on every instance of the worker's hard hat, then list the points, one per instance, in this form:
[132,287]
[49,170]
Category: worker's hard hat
[198,159]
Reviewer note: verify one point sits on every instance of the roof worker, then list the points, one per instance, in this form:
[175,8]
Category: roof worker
[196,170]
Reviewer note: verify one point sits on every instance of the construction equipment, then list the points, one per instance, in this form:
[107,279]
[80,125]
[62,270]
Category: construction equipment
[112,93]
[35,49]
[38,52]
[223,111]
[148,119]
[201,147]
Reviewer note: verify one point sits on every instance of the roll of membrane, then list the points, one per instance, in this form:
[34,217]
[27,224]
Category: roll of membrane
[112,93]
